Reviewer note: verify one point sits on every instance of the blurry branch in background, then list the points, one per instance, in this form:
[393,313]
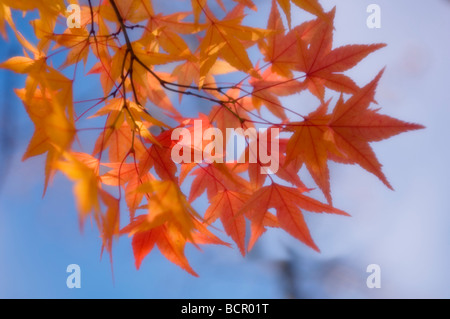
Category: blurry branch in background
[301,278]
[8,119]
[290,275]
[285,264]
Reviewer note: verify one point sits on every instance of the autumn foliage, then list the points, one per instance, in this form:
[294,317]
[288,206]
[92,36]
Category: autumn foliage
[154,65]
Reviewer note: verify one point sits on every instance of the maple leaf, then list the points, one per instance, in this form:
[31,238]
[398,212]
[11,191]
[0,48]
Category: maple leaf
[77,41]
[247,3]
[51,125]
[188,74]
[226,205]
[134,11]
[165,31]
[119,143]
[167,203]
[280,48]
[354,125]
[288,203]
[147,87]
[344,135]
[323,66]
[169,240]
[86,186]
[258,167]
[49,11]
[110,221]
[128,176]
[310,145]
[312,6]
[5,16]
[269,88]
[51,112]
[225,116]
[214,178]
[224,38]
[308,48]
[159,157]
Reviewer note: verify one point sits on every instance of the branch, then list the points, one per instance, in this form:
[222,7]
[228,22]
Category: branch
[170,86]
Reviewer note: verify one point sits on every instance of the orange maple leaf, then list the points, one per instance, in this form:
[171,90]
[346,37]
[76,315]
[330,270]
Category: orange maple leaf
[288,203]
[344,136]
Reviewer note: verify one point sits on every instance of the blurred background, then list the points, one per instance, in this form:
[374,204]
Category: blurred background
[406,231]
